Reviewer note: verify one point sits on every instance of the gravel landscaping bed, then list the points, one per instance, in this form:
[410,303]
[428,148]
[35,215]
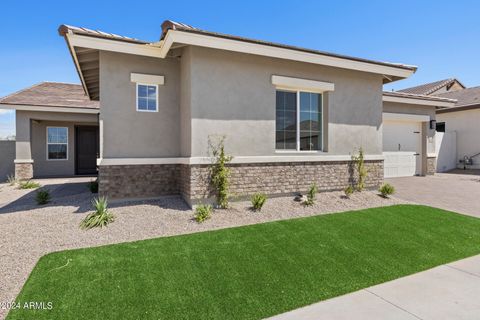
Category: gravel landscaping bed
[28,231]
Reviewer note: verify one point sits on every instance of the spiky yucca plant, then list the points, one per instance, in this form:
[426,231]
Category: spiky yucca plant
[100,217]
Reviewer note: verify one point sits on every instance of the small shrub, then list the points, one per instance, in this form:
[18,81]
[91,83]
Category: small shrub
[43,196]
[386,190]
[93,186]
[12,180]
[348,191]
[100,217]
[29,184]
[258,200]
[203,212]
[361,169]
[311,195]
[219,172]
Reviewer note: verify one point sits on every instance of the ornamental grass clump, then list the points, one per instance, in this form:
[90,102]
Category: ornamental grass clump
[42,197]
[11,180]
[311,195]
[386,190]
[101,217]
[258,200]
[29,184]
[203,212]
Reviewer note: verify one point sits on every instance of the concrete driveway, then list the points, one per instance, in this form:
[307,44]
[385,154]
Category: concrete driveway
[458,190]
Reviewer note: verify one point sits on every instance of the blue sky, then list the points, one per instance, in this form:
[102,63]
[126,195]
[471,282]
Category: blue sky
[440,37]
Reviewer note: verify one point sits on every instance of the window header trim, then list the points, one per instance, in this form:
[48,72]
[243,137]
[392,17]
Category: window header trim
[290,83]
[147,78]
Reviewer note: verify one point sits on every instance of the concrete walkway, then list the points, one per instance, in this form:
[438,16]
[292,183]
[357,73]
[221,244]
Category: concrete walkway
[450,291]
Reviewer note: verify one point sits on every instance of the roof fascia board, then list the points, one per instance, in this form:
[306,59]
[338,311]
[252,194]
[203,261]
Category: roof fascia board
[22,107]
[176,36]
[114,45]
[458,109]
[423,102]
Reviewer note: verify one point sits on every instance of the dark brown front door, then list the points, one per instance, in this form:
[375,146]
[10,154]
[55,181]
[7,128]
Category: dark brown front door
[86,149]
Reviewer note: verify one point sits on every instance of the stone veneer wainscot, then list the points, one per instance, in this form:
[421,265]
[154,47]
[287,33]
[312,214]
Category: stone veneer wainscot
[193,181]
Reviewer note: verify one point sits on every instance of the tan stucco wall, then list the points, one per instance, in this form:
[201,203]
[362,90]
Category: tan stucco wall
[7,155]
[213,92]
[126,132]
[231,94]
[466,125]
[31,144]
[185,106]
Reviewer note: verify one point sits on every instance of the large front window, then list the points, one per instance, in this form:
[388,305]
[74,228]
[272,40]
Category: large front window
[298,121]
[57,143]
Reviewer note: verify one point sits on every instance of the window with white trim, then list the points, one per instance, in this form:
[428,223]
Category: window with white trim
[147,97]
[299,121]
[57,143]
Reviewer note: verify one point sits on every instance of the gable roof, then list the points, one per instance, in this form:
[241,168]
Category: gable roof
[429,88]
[51,94]
[465,97]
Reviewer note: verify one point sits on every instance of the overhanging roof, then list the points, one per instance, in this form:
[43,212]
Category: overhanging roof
[84,45]
[51,96]
[418,99]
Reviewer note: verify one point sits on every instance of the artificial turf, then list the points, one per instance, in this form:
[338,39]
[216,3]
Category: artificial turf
[247,272]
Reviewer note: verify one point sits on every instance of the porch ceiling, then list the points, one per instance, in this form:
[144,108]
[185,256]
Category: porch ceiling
[89,69]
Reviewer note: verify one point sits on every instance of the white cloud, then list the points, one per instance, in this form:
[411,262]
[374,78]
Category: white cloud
[5,111]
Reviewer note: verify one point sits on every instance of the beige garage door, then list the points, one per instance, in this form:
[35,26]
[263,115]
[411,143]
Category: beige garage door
[402,147]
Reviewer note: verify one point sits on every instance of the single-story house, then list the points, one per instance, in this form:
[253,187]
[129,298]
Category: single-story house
[290,116]
[458,129]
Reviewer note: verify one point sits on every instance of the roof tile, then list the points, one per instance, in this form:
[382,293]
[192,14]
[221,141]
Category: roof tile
[52,94]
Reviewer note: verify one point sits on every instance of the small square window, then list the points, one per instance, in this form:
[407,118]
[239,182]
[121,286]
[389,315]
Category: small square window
[147,97]
[440,127]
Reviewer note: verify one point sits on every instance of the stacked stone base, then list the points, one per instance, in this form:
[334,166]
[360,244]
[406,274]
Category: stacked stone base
[193,181]
[431,165]
[24,171]
[138,181]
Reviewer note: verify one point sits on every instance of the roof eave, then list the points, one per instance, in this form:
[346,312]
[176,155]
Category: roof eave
[418,100]
[65,33]
[45,108]
[393,72]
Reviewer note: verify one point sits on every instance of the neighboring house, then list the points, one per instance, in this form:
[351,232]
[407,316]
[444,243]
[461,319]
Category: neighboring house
[56,130]
[435,88]
[290,116]
[458,127]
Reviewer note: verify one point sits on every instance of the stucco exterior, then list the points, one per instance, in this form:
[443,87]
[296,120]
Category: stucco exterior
[7,156]
[31,140]
[128,133]
[213,92]
[465,124]
[232,94]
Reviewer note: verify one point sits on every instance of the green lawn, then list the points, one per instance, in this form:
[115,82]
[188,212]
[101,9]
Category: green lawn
[248,272]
